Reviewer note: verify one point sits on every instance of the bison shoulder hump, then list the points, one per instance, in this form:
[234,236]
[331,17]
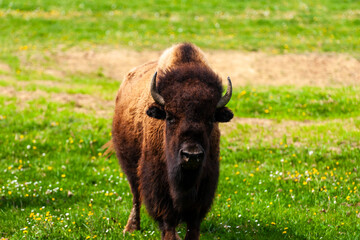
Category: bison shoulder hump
[180,54]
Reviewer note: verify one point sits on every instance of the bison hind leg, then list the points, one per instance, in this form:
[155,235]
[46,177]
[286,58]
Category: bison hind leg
[133,222]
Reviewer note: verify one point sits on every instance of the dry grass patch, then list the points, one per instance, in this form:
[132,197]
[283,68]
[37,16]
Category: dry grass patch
[311,69]
[4,68]
[83,103]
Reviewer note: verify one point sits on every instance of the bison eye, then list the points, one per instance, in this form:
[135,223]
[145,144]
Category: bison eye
[211,121]
[170,118]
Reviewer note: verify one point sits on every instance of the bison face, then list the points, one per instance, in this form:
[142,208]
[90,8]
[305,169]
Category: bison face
[190,112]
[188,135]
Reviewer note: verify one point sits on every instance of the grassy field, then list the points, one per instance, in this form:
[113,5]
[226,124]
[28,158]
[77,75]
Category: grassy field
[273,26]
[290,159]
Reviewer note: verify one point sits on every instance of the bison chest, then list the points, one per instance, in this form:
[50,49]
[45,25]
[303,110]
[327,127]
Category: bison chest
[165,196]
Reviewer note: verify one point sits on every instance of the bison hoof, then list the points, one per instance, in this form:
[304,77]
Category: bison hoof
[130,227]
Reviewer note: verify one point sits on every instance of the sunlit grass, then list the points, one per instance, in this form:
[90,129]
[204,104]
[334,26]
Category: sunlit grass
[296,103]
[55,182]
[276,26]
[293,173]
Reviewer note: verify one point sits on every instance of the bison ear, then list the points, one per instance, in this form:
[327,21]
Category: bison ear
[223,114]
[155,111]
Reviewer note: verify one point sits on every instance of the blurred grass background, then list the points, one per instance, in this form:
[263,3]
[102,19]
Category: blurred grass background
[274,26]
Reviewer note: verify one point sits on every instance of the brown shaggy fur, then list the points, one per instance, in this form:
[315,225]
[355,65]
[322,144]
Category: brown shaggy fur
[148,138]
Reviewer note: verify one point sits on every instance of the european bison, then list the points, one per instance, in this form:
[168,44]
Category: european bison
[166,137]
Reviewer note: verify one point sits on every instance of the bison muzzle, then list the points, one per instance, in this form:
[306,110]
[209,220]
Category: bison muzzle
[166,137]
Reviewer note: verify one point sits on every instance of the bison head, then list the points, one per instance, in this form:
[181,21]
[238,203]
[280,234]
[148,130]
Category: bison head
[189,101]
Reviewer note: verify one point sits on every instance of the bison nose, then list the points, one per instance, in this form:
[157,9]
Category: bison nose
[191,158]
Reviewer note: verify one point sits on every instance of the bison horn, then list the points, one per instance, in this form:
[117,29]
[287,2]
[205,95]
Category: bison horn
[156,96]
[226,98]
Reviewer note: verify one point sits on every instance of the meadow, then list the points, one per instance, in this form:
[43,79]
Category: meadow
[290,159]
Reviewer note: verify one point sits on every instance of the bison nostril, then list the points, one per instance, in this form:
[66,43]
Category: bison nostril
[192,156]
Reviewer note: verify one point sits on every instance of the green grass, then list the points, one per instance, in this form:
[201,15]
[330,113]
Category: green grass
[290,173]
[296,103]
[47,150]
[283,102]
[51,168]
[273,26]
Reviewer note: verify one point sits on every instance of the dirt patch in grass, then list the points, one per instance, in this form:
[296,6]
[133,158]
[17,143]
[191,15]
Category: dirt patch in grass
[113,63]
[47,83]
[311,69]
[82,102]
[289,69]
[4,67]
[86,104]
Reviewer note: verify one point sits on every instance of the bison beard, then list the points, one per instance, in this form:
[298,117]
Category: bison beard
[166,137]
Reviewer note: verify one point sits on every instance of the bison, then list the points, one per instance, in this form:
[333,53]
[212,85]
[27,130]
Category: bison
[166,138]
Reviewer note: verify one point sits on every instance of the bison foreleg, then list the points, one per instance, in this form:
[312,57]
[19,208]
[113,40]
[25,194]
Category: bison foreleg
[193,230]
[168,232]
